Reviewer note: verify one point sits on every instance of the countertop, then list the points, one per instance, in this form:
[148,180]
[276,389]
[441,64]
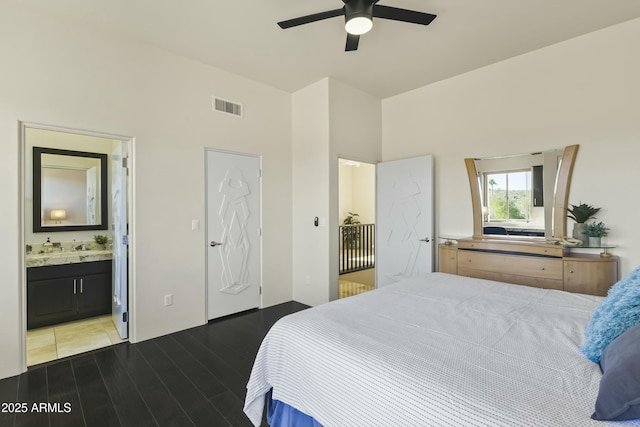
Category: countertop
[67,257]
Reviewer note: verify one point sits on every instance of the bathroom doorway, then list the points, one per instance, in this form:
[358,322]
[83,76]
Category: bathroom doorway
[77,196]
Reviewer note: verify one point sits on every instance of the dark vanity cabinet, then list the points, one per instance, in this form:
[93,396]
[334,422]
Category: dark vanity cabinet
[62,293]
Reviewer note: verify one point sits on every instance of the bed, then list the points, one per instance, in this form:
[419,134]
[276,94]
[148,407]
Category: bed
[439,350]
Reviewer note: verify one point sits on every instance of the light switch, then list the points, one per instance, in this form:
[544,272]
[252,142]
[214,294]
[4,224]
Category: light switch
[195,224]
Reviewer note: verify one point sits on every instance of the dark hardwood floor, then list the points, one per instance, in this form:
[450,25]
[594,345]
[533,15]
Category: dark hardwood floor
[195,377]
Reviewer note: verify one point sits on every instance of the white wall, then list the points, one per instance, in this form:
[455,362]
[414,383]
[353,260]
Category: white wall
[330,121]
[56,73]
[345,190]
[364,192]
[310,119]
[357,191]
[584,91]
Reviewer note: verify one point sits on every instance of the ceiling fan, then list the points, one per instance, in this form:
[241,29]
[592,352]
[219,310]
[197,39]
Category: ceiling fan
[358,16]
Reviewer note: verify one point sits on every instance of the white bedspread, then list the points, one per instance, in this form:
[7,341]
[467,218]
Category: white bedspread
[442,350]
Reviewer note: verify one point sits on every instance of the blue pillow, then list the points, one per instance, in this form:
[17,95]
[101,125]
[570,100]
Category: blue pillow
[619,393]
[619,311]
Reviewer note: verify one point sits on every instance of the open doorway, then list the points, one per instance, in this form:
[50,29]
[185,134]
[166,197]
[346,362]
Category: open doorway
[76,197]
[356,210]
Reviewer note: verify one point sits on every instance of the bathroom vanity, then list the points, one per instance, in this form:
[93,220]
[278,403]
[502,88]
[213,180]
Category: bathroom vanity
[68,291]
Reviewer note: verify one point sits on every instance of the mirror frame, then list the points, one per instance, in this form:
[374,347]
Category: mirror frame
[38,227]
[560,200]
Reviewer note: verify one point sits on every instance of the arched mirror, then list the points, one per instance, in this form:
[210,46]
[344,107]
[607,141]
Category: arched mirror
[522,195]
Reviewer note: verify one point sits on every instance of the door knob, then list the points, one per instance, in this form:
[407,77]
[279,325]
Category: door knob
[426,239]
[214,244]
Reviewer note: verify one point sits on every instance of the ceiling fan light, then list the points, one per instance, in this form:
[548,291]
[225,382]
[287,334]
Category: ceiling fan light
[358,25]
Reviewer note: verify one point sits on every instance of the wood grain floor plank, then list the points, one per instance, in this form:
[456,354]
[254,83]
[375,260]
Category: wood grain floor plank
[163,405]
[218,367]
[95,400]
[62,390]
[9,394]
[127,401]
[205,381]
[231,407]
[235,359]
[32,389]
[194,403]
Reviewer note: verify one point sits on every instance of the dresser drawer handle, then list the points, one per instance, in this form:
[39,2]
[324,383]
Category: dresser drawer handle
[570,271]
[541,268]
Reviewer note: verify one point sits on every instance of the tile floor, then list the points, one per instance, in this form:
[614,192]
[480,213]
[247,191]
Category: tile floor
[347,288]
[66,339]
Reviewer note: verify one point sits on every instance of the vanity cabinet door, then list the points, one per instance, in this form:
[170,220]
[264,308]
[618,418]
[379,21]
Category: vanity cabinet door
[94,295]
[62,293]
[50,301]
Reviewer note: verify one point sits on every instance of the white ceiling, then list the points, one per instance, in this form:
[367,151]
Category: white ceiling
[242,37]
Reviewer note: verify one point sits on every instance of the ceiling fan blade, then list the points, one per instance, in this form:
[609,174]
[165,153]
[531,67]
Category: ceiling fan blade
[310,18]
[352,42]
[404,15]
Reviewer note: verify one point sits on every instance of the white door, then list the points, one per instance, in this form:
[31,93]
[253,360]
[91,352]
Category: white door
[404,219]
[119,312]
[234,272]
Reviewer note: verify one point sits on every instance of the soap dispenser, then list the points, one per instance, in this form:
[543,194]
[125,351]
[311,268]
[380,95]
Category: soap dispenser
[48,246]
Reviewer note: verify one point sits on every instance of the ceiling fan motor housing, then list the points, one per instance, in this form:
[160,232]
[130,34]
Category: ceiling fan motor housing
[358,9]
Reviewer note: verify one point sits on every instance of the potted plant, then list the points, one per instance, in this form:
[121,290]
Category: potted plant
[101,240]
[596,231]
[580,214]
[351,233]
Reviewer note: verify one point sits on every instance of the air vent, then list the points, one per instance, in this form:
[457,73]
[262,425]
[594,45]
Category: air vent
[227,107]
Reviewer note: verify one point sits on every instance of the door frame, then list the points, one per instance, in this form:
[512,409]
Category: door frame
[206,225]
[131,285]
[337,218]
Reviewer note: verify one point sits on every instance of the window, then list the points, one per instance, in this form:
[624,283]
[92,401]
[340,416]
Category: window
[508,195]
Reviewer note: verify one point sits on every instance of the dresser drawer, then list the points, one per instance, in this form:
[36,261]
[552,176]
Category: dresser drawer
[536,282]
[448,259]
[539,267]
[520,247]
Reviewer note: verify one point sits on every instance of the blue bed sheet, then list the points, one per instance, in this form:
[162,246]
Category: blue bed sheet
[279,414]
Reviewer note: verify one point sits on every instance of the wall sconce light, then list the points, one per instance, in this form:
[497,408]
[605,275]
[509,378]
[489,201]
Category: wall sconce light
[58,215]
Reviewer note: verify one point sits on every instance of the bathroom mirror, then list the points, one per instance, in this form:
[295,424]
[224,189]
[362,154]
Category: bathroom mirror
[521,195]
[69,190]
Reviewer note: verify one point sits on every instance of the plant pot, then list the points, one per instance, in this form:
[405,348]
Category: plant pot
[595,242]
[578,231]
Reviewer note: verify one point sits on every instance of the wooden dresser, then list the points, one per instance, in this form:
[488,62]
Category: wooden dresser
[529,263]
